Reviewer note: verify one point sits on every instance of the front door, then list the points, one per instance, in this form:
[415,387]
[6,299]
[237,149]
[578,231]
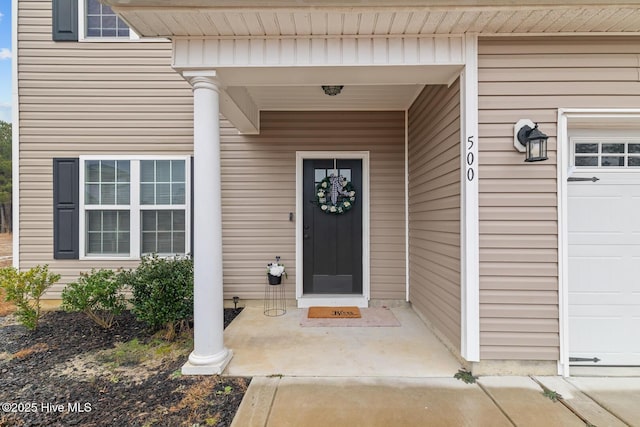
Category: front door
[332,241]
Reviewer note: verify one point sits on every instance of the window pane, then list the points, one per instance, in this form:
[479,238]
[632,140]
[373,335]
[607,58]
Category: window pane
[108,171]
[108,194]
[178,220]
[164,243]
[586,148]
[123,194]
[123,243]
[612,161]
[109,241]
[124,220]
[147,194]
[163,194]
[94,243]
[163,171]
[108,21]
[93,6]
[149,221]
[177,194]
[94,220]
[109,220]
[164,220]
[147,171]
[613,148]
[634,148]
[320,174]
[108,32]
[92,194]
[634,161]
[148,243]
[586,161]
[124,171]
[177,171]
[178,243]
[346,173]
[92,171]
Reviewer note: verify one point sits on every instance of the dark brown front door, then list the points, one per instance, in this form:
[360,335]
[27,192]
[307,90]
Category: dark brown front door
[332,249]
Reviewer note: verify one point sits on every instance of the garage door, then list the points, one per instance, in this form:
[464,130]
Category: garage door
[604,255]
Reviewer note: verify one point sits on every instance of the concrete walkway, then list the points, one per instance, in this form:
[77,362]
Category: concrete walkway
[407,402]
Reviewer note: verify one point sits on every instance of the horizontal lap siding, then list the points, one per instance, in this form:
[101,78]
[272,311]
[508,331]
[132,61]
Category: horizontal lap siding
[88,98]
[258,192]
[532,78]
[434,208]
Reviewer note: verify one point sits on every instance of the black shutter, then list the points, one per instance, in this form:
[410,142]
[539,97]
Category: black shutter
[192,185]
[65,20]
[66,208]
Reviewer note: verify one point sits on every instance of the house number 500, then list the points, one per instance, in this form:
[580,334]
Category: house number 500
[471,173]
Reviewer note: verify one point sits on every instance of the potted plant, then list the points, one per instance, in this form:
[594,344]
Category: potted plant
[275,271]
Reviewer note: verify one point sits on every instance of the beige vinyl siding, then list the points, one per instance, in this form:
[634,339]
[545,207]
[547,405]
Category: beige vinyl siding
[258,192]
[532,78]
[87,98]
[434,208]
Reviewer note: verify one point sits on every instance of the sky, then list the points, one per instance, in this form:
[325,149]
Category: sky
[5,60]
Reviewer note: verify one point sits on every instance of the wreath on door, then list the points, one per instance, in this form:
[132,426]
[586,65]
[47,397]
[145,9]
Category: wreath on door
[335,195]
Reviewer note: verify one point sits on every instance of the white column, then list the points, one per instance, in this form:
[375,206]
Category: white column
[209,355]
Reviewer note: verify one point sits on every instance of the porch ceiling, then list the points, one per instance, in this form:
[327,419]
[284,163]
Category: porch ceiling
[243,18]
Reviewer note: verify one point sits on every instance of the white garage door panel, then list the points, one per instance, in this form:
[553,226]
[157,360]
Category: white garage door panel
[604,269]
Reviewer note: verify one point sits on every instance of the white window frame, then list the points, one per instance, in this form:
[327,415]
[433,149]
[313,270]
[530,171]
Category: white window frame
[134,206]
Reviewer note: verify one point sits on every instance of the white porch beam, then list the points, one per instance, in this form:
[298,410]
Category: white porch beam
[209,355]
[238,107]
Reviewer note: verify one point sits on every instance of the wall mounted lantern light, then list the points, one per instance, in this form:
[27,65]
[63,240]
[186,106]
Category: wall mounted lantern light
[332,90]
[527,138]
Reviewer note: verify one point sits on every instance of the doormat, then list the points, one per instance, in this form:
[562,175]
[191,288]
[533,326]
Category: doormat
[334,313]
[371,317]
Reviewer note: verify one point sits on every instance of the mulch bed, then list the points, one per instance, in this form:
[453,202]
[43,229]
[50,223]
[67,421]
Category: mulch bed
[39,372]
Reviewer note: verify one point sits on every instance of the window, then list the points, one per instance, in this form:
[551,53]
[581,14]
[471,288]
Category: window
[103,22]
[99,21]
[132,207]
[613,153]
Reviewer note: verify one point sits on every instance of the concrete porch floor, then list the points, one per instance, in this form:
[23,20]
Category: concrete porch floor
[265,346]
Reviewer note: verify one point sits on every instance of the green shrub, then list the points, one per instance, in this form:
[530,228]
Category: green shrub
[97,294]
[162,292]
[24,289]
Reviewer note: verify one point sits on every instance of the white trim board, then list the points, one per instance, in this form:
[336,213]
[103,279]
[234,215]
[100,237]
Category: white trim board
[469,222]
[329,300]
[15,137]
[576,116]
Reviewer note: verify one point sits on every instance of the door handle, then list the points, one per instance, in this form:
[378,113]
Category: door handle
[576,179]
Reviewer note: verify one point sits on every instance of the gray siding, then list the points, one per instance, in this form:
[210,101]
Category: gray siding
[434,208]
[532,78]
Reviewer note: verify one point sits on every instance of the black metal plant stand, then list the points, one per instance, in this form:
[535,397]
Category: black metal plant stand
[275,303]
